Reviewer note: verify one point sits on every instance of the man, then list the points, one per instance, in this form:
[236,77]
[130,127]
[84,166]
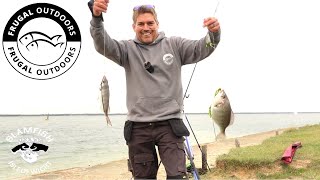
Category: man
[152,64]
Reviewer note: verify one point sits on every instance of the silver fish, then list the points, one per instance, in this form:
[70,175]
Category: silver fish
[105,94]
[221,113]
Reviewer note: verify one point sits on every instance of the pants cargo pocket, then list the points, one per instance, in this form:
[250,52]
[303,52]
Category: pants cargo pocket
[145,166]
[182,160]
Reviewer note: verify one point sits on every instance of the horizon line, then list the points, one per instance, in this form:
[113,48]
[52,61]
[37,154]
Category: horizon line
[95,114]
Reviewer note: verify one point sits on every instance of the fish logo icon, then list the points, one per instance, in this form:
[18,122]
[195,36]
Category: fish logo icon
[28,149]
[36,35]
[35,45]
[41,41]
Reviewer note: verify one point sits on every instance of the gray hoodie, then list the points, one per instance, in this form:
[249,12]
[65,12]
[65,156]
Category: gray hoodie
[153,96]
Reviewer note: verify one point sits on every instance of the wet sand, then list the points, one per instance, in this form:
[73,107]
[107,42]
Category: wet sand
[117,170]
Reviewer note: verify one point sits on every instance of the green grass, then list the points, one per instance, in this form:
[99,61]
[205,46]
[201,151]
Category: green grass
[264,161]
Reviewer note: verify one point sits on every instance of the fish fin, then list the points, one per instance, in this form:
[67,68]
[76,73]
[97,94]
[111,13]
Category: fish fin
[212,109]
[217,91]
[55,38]
[231,118]
[210,115]
[101,103]
[108,121]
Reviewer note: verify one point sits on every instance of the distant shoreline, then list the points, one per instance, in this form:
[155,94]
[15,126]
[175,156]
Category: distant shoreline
[99,114]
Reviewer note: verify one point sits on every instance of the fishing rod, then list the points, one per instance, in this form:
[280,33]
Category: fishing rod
[185,96]
[195,138]
[188,149]
[187,146]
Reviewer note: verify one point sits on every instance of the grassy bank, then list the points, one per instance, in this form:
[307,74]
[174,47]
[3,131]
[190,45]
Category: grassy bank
[264,161]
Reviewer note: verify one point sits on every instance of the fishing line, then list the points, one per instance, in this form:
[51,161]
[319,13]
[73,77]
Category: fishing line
[214,130]
[188,148]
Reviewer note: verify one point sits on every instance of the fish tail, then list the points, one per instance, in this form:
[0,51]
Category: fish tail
[108,121]
[61,43]
[221,136]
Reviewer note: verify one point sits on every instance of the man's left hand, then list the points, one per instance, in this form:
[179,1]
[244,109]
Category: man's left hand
[212,24]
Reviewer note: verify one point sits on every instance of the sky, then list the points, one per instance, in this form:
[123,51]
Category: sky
[267,59]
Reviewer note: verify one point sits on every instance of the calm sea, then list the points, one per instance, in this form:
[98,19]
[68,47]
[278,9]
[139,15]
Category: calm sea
[86,140]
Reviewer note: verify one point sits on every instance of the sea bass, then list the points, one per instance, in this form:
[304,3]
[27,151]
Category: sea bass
[105,94]
[221,113]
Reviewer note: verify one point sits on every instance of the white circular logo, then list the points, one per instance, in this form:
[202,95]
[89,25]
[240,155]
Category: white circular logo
[168,59]
[29,143]
[41,41]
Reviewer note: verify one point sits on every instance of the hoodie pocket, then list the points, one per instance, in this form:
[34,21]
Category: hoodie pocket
[155,106]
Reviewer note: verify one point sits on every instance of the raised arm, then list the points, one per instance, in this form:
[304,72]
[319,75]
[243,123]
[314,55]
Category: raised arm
[192,51]
[104,44]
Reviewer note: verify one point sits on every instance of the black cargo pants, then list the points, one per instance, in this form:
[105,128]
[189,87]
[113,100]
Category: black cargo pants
[142,153]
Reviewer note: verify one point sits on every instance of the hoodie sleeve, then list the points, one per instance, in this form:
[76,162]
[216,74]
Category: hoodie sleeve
[105,45]
[192,51]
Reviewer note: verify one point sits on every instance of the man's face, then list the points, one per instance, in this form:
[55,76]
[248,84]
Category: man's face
[146,28]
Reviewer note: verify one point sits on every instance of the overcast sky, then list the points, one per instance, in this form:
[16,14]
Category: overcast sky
[267,59]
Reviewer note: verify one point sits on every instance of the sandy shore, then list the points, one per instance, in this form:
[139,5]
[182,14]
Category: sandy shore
[118,169]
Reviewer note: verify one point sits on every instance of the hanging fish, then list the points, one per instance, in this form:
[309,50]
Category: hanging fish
[105,94]
[221,113]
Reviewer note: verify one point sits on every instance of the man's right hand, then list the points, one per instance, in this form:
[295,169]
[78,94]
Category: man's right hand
[100,6]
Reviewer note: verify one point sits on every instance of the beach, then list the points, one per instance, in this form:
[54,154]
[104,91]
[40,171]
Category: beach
[117,170]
